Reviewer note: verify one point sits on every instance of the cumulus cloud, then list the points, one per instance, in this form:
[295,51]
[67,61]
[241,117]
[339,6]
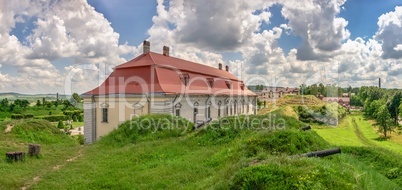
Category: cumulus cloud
[202,32]
[62,29]
[390,32]
[318,25]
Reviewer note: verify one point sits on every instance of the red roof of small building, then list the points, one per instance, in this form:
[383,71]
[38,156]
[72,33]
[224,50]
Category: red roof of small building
[157,73]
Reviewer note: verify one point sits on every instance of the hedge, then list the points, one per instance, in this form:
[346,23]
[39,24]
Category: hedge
[72,113]
[22,116]
[52,118]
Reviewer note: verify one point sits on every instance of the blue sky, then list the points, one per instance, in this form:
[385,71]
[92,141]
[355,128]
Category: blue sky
[286,42]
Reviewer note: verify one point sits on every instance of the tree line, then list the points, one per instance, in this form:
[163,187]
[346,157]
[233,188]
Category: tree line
[383,105]
[329,90]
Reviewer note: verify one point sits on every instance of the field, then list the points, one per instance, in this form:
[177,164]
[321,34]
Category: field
[355,130]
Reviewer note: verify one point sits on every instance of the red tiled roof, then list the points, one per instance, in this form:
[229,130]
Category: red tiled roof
[157,73]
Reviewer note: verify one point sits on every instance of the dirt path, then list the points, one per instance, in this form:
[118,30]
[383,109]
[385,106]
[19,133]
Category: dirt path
[360,135]
[36,179]
[9,128]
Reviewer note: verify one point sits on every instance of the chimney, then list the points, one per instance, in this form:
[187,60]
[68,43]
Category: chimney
[227,68]
[379,82]
[166,51]
[146,46]
[220,66]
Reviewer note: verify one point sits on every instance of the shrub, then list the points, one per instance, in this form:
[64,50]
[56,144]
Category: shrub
[40,131]
[154,126]
[61,125]
[80,139]
[75,118]
[228,128]
[53,118]
[392,173]
[28,116]
[80,118]
[17,116]
[284,142]
[71,113]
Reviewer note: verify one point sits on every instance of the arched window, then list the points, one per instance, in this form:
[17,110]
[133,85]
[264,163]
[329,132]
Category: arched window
[138,108]
[195,111]
[177,108]
[219,108]
[209,110]
[105,113]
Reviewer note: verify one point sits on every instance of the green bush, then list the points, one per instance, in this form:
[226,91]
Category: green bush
[154,126]
[392,173]
[22,116]
[80,139]
[75,118]
[228,128]
[290,142]
[28,116]
[72,113]
[40,131]
[61,125]
[80,118]
[17,116]
[52,118]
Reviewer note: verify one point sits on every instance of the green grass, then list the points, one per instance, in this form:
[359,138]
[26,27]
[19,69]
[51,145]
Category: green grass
[341,135]
[346,134]
[56,148]
[75,124]
[217,157]
[368,132]
[230,154]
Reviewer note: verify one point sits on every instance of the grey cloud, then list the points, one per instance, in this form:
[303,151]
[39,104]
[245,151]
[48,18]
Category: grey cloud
[318,27]
[215,25]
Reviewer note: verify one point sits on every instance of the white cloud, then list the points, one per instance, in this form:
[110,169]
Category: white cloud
[390,32]
[63,29]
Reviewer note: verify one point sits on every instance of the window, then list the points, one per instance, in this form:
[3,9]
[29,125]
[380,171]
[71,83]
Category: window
[235,107]
[242,86]
[177,109]
[104,115]
[195,112]
[104,112]
[219,109]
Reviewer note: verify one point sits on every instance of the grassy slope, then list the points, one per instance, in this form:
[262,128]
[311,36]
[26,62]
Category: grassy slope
[205,159]
[360,133]
[56,148]
[202,160]
[341,135]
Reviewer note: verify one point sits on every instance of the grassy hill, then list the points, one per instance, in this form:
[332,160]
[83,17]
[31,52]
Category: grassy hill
[292,100]
[56,148]
[258,152]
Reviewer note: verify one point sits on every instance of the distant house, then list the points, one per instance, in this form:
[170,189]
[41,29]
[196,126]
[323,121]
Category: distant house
[343,101]
[348,94]
[270,94]
[159,83]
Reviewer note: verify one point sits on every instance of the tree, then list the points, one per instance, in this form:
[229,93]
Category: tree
[76,97]
[393,106]
[355,101]
[61,125]
[38,103]
[384,120]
